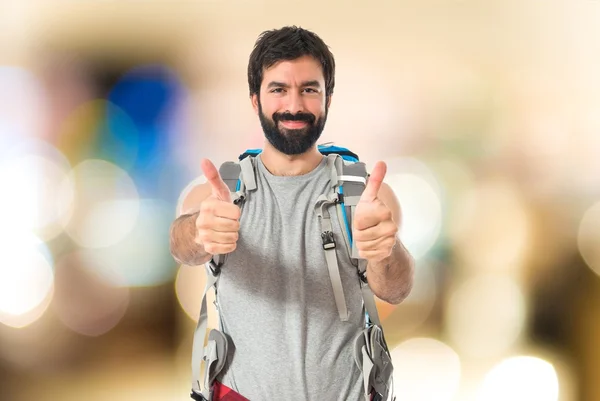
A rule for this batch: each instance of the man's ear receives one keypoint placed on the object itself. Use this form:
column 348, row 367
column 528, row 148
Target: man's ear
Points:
column 254, row 100
column 329, row 101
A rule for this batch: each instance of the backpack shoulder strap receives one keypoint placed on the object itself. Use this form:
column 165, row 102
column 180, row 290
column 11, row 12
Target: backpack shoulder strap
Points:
column 322, row 210
column 352, row 179
column 201, row 354
column 230, row 172
column 351, row 182
column 348, row 181
column 375, row 360
column 239, row 178
column 248, row 176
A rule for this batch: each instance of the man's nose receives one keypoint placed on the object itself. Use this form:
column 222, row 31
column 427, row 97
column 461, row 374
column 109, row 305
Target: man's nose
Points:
column 295, row 102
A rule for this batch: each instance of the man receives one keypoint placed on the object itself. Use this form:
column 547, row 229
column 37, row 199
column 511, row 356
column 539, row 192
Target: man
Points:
column 275, row 298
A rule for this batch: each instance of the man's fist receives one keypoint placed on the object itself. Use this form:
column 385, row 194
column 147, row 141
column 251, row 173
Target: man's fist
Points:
column 217, row 225
column 374, row 228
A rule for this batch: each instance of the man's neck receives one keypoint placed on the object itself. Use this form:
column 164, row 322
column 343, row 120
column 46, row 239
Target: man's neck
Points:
column 290, row 165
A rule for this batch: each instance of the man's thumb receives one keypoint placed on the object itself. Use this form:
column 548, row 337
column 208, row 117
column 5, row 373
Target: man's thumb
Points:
column 219, row 188
column 374, row 183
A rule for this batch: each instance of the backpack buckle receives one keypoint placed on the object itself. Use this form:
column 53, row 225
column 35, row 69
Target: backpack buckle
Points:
column 328, row 240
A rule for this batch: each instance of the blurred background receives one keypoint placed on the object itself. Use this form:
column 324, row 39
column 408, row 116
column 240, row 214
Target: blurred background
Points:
column 487, row 113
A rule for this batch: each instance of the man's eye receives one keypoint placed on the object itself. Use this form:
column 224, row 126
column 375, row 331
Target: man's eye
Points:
column 277, row 90
column 310, row 90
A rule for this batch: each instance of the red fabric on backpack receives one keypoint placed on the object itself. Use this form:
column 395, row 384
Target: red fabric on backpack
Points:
column 223, row 393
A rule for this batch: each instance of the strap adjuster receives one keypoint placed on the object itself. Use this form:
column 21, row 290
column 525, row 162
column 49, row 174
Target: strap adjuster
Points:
column 363, row 277
column 328, row 240
column 214, row 268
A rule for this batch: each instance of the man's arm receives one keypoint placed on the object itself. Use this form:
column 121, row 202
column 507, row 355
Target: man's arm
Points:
column 391, row 279
column 210, row 221
column 390, row 268
column 183, row 245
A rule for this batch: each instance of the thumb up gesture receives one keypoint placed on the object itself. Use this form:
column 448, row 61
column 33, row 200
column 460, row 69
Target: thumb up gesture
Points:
column 374, row 230
column 217, row 225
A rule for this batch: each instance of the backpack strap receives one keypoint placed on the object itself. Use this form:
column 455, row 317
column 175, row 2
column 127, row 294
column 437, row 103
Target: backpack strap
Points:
column 214, row 354
column 374, row 359
column 352, row 180
column 348, row 181
column 348, row 185
column 328, row 240
column 238, row 177
column 371, row 351
column 248, row 165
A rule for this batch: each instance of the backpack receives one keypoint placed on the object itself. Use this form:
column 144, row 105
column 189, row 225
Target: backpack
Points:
column 348, row 178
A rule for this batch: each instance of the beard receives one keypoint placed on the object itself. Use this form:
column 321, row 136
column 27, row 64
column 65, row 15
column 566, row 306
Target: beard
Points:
column 292, row 141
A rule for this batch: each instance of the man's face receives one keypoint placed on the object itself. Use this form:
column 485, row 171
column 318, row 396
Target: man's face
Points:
column 292, row 106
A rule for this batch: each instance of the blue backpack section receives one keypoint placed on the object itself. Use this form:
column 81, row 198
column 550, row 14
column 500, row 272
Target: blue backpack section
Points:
column 325, row 150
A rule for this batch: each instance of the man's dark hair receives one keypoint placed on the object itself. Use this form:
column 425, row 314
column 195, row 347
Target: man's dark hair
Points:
column 289, row 43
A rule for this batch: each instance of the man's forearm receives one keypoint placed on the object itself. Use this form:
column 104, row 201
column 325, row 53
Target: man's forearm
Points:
column 184, row 248
column 391, row 279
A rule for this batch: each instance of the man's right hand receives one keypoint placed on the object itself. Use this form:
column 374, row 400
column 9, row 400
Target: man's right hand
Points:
column 217, row 225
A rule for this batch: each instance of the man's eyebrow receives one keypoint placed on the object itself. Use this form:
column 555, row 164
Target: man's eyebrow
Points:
column 311, row 83
column 277, row 84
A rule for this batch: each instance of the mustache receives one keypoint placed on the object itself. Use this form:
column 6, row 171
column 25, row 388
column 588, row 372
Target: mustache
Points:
column 305, row 117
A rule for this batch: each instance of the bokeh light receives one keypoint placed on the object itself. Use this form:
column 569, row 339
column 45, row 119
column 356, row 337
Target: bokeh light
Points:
column 588, row 238
column 418, row 193
column 31, row 316
column 26, row 278
column 140, row 257
column 521, row 378
column 491, row 228
column 30, row 173
column 106, row 205
column 486, row 315
column 85, row 302
column 425, row 369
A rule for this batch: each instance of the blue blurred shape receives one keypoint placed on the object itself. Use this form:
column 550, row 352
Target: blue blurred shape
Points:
column 149, row 96
column 146, row 94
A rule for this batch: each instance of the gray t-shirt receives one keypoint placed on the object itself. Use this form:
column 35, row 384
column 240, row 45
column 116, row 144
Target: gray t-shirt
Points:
column 276, row 301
